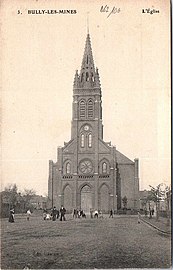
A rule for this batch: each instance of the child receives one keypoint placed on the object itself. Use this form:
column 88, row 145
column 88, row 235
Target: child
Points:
column 28, row 214
column 11, row 216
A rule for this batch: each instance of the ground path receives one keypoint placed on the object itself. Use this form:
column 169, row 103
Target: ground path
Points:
column 83, row 243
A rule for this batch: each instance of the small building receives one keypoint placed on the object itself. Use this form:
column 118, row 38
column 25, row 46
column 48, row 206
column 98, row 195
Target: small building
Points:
column 38, row 202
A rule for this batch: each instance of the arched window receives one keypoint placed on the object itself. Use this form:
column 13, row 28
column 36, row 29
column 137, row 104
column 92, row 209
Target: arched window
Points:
column 92, row 77
column 104, row 167
column 87, row 76
column 68, row 168
column 82, row 109
column 90, row 109
column 82, row 77
column 90, row 140
column 82, row 140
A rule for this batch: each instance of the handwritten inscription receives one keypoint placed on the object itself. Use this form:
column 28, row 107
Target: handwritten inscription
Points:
column 110, row 11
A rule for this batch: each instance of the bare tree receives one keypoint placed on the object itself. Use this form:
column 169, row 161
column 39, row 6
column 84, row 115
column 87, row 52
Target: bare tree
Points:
column 11, row 194
column 28, row 194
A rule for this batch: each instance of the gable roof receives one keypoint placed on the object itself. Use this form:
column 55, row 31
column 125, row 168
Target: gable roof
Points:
column 123, row 159
column 104, row 147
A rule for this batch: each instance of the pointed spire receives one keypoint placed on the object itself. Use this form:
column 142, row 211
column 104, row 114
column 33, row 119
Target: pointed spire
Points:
column 76, row 79
column 88, row 77
column 88, row 74
column 97, row 78
column 87, row 62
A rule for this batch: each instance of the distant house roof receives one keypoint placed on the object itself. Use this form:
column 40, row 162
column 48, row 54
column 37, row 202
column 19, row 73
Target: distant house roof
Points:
column 38, row 198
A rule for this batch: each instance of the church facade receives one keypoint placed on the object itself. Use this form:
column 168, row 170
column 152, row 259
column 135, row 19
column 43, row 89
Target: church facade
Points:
column 90, row 173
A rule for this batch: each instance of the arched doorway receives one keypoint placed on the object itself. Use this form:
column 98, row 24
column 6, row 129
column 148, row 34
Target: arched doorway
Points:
column 86, row 199
column 68, row 199
column 104, row 199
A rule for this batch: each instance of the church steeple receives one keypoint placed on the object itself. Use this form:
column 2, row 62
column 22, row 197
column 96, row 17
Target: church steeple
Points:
column 88, row 76
column 87, row 62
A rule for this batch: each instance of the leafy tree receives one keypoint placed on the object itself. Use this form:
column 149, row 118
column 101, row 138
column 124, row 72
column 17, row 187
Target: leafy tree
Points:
column 10, row 197
column 157, row 194
column 143, row 203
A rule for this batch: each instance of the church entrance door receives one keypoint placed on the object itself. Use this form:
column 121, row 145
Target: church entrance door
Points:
column 86, row 199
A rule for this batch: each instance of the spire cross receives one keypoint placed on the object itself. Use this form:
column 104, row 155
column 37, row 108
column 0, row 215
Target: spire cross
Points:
column 87, row 22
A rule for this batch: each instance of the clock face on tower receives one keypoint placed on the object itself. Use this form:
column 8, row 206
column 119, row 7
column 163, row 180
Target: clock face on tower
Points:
column 86, row 166
column 86, row 128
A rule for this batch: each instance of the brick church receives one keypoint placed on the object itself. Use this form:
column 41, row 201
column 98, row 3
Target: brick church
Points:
column 90, row 173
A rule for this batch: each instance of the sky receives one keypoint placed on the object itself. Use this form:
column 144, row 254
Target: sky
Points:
column 40, row 54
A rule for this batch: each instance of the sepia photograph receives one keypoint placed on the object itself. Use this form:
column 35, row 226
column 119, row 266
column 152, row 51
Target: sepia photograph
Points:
column 86, row 134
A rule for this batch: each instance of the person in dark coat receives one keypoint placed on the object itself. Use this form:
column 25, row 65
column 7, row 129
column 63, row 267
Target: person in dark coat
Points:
column 54, row 213
column 62, row 213
column 139, row 217
column 111, row 213
column 74, row 213
column 91, row 212
column 11, row 216
column 81, row 213
column 57, row 214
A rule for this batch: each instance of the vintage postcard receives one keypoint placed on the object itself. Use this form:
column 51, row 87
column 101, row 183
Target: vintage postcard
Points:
column 86, row 134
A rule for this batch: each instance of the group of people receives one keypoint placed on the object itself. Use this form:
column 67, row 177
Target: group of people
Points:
column 11, row 215
column 93, row 213
column 55, row 213
column 151, row 212
column 78, row 213
column 99, row 213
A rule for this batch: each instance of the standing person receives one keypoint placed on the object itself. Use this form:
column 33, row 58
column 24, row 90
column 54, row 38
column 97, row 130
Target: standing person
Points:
column 74, row 213
column 57, row 214
column 152, row 211
column 77, row 213
column 62, row 213
column 81, row 213
column 111, row 213
column 96, row 213
column 28, row 214
column 91, row 213
column 54, row 213
column 11, row 216
column 139, row 217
